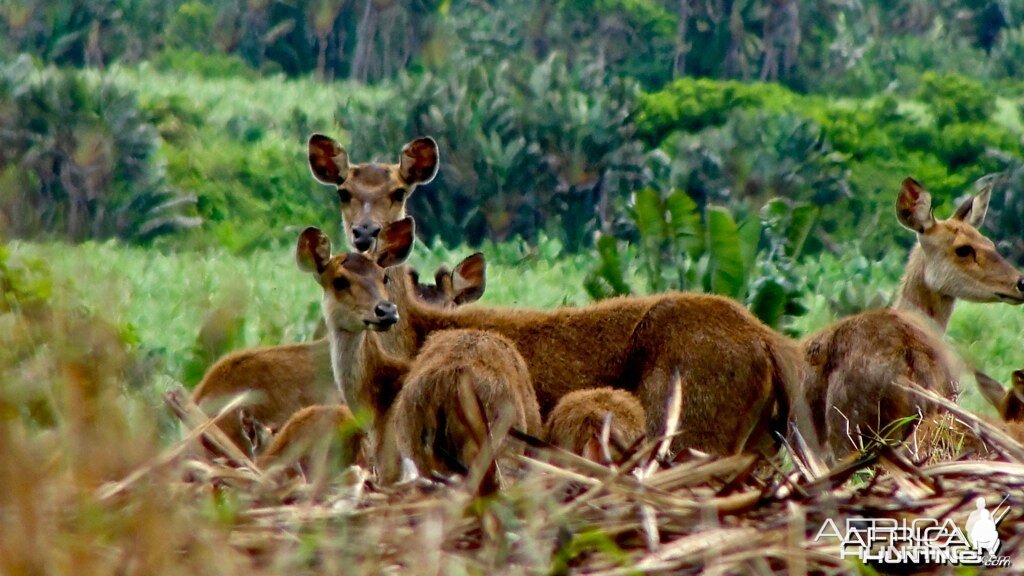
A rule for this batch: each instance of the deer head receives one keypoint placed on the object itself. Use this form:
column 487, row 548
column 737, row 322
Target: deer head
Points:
column 372, row 195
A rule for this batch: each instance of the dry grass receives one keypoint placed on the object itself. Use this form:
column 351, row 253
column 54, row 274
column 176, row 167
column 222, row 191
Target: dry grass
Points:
column 86, row 488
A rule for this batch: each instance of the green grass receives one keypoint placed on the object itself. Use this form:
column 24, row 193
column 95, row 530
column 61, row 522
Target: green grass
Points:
column 163, row 299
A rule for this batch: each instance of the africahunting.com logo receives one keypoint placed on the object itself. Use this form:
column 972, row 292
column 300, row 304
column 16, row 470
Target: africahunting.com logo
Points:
column 921, row 540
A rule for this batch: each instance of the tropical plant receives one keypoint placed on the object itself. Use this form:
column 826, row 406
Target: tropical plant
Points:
column 679, row 246
column 79, row 160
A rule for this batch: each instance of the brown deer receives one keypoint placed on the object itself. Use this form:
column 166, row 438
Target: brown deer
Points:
column 372, row 195
column 578, row 420
column 437, row 419
column 330, row 427
column 855, row 362
column 287, row 378
column 737, row 374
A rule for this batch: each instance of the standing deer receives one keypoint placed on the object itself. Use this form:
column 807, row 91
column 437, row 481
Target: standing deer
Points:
column 578, row 421
column 437, row 419
column 293, row 376
column 355, row 307
column 855, row 363
column 737, row 374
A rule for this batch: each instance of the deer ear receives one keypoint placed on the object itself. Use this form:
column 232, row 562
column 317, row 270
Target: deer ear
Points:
column 469, row 279
column 420, row 159
column 592, row 450
column 973, row 210
column 395, row 242
column 914, row 207
column 990, row 388
column 313, row 250
column 327, row 160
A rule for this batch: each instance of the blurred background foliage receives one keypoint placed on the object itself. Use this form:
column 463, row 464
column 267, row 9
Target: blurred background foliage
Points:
column 751, row 148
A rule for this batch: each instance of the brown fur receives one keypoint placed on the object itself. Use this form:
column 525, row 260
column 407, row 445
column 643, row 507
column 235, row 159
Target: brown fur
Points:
column 372, row 195
column 576, row 424
column 855, row 362
column 332, row 427
column 737, row 373
column 434, row 429
column 287, row 378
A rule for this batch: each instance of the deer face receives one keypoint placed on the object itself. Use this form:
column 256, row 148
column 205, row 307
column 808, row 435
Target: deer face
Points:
column 464, row 285
column 355, row 297
column 372, row 195
column 960, row 262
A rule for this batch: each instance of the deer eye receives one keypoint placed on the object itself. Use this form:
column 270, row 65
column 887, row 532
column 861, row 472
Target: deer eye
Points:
column 344, row 195
column 340, row 283
column 397, row 195
column 964, row 251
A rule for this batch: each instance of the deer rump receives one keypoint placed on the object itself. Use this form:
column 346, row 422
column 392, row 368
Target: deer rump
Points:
column 736, row 373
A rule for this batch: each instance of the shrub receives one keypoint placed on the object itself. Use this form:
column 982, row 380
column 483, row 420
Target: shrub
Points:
column 78, row 160
column 524, row 149
column 690, row 104
column 203, row 64
column 953, row 98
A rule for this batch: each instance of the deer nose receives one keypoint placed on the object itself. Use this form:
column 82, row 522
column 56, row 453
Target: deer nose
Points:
column 386, row 313
column 363, row 235
column 1020, row 285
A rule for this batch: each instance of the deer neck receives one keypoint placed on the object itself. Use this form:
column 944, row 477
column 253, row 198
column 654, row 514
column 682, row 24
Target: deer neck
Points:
column 916, row 296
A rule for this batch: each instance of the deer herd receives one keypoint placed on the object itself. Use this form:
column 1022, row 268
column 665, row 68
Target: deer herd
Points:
column 409, row 378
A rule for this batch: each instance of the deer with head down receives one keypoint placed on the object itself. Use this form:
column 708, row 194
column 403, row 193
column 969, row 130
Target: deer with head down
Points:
column 737, row 374
column 578, row 422
column 856, row 363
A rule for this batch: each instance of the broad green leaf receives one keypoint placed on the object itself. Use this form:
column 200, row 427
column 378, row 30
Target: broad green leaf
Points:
column 650, row 221
column 684, row 224
column 726, row 267
column 750, row 240
column 800, row 226
column 769, row 301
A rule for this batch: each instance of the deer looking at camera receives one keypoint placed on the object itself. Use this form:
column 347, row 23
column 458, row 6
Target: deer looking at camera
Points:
column 856, row 363
column 578, row 422
column 356, row 307
column 290, row 377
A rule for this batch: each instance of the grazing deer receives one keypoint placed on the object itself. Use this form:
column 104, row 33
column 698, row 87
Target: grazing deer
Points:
column 578, row 421
column 372, row 195
column 855, row 362
column 737, row 374
column 437, row 418
column 290, row 377
column 327, row 427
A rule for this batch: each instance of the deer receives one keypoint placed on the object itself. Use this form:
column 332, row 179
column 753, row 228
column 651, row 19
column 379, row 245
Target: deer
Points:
column 328, row 427
column 410, row 399
column 578, row 421
column 372, row 195
column 1009, row 403
column 290, row 377
column 737, row 373
column 464, row 389
column 856, row 363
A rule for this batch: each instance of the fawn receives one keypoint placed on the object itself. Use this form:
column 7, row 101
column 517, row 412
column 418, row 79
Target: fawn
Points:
column 294, row 376
column 436, row 419
column 737, row 373
column 855, row 362
column 577, row 423
column 1009, row 403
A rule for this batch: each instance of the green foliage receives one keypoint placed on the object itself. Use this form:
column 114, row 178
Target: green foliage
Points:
column 79, row 160
column 192, row 26
column 954, row 98
column 25, row 282
column 524, row 150
column 204, row 65
column 677, row 247
column 1006, row 212
column 692, row 104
